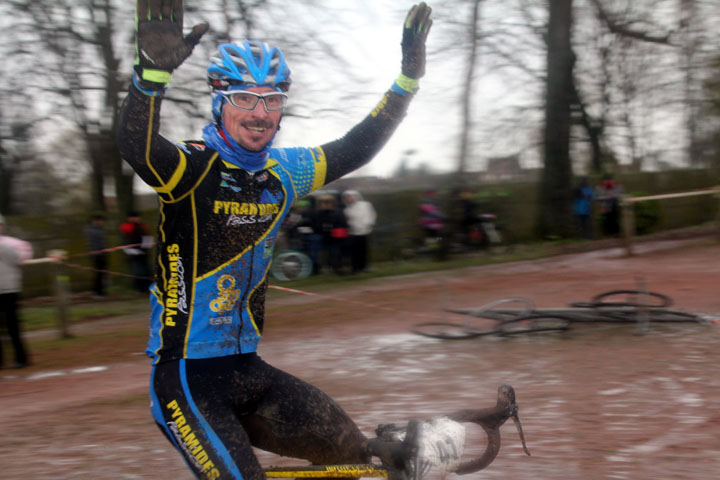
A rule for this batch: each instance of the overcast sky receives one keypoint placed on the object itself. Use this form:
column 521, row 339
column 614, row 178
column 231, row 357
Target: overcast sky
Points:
column 367, row 36
column 507, row 111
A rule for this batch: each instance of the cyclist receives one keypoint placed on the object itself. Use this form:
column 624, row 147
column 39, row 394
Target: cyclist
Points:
column 222, row 202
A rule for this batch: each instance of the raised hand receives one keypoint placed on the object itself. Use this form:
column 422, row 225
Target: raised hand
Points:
column 161, row 47
column 415, row 30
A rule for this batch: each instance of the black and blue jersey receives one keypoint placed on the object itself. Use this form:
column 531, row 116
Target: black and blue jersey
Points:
column 218, row 224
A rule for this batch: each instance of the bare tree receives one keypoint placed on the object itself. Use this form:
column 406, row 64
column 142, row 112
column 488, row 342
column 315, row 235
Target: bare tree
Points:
column 14, row 147
column 467, row 96
column 77, row 43
column 556, row 185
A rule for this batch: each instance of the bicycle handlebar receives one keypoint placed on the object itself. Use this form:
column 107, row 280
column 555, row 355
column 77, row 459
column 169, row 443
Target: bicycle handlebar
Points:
column 396, row 454
column 490, row 419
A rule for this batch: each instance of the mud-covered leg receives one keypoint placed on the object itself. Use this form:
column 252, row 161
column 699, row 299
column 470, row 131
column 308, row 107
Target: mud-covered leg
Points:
column 296, row 419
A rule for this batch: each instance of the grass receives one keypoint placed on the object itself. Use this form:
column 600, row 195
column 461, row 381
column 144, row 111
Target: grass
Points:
column 43, row 313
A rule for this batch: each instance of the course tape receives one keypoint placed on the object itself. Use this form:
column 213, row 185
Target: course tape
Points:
column 59, row 258
column 62, row 260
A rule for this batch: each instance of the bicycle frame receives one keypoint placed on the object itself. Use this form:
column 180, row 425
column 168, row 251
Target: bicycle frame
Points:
column 394, row 454
column 329, row 471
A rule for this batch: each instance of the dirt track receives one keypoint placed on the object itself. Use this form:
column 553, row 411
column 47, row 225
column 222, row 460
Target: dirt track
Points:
column 596, row 402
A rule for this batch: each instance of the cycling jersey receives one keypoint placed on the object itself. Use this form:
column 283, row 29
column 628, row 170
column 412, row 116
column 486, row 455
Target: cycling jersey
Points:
column 218, row 224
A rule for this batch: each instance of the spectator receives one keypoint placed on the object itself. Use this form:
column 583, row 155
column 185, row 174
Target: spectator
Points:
column 137, row 236
column 360, row 216
column 432, row 219
column 297, row 226
column 467, row 211
column 583, row 196
column 13, row 252
column 329, row 222
column 95, row 236
column 608, row 195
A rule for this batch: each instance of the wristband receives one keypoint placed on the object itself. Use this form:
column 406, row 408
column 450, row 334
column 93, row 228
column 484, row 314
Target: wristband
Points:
column 156, row 76
column 142, row 86
column 404, row 85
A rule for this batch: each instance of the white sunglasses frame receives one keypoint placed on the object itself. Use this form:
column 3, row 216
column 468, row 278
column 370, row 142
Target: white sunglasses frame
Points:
column 258, row 96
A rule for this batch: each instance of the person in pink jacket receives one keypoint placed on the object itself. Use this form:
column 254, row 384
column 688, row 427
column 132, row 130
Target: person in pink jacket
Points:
column 13, row 252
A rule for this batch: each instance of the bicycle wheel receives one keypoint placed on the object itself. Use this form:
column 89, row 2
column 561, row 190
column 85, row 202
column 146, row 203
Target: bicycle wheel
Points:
column 291, row 265
column 614, row 298
column 534, row 323
column 675, row 316
column 490, row 311
column 447, row 331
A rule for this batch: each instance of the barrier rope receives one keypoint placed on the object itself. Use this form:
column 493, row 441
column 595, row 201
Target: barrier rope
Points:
column 61, row 259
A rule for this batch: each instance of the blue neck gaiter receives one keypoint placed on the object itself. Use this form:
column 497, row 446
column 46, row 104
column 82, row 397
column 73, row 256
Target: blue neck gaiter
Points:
column 231, row 151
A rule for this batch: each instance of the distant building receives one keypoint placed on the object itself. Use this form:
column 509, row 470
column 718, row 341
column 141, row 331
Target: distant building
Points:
column 507, row 169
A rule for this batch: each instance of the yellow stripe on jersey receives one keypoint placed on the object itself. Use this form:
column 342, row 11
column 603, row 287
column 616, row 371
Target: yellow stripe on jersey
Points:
column 194, row 270
column 320, row 168
column 176, row 176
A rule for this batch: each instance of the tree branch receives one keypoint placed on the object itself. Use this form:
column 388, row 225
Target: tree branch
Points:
column 623, row 29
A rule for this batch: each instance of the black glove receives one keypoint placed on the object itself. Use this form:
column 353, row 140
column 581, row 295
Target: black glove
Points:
column 415, row 31
column 161, row 47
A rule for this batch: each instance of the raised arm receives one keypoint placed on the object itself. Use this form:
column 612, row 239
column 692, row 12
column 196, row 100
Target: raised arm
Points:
column 366, row 139
column 161, row 48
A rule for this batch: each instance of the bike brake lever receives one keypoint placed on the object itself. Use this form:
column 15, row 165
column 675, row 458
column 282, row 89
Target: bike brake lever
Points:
column 516, row 420
column 491, row 419
column 506, row 395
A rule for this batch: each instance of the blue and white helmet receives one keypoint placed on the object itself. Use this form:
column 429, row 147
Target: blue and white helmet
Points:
column 252, row 64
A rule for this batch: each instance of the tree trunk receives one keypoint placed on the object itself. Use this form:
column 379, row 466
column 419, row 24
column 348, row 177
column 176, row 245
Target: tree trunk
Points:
column 97, row 172
column 467, row 97
column 6, row 184
column 555, row 218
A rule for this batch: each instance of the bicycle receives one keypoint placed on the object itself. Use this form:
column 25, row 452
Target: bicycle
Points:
column 508, row 322
column 291, row 265
column 423, row 446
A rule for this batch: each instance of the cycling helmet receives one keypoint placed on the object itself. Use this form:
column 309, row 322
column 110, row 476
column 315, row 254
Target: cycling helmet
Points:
column 251, row 64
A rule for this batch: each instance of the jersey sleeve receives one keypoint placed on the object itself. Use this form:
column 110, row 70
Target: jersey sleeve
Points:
column 163, row 165
column 357, row 147
column 306, row 168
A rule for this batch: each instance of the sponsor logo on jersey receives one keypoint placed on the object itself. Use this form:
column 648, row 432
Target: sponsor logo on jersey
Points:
column 197, row 146
column 227, row 297
column 235, row 220
column 221, row 321
column 175, row 293
column 189, row 443
column 222, row 207
column 228, row 181
column 380, row 106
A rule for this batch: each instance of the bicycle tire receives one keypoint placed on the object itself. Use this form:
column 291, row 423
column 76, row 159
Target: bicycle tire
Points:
column 487, row 310
column 447, row 331
column 535, row 320
column 599, row 301
column 291, row 265
column 676, row 316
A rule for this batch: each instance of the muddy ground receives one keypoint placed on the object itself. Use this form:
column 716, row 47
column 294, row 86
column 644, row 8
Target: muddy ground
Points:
column 599, row 401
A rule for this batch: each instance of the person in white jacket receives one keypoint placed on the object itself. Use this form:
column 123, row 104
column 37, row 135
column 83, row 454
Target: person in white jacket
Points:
column 360, row 216
column 13, row 252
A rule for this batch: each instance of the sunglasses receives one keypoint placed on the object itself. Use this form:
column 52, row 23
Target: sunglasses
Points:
column 273, row 101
